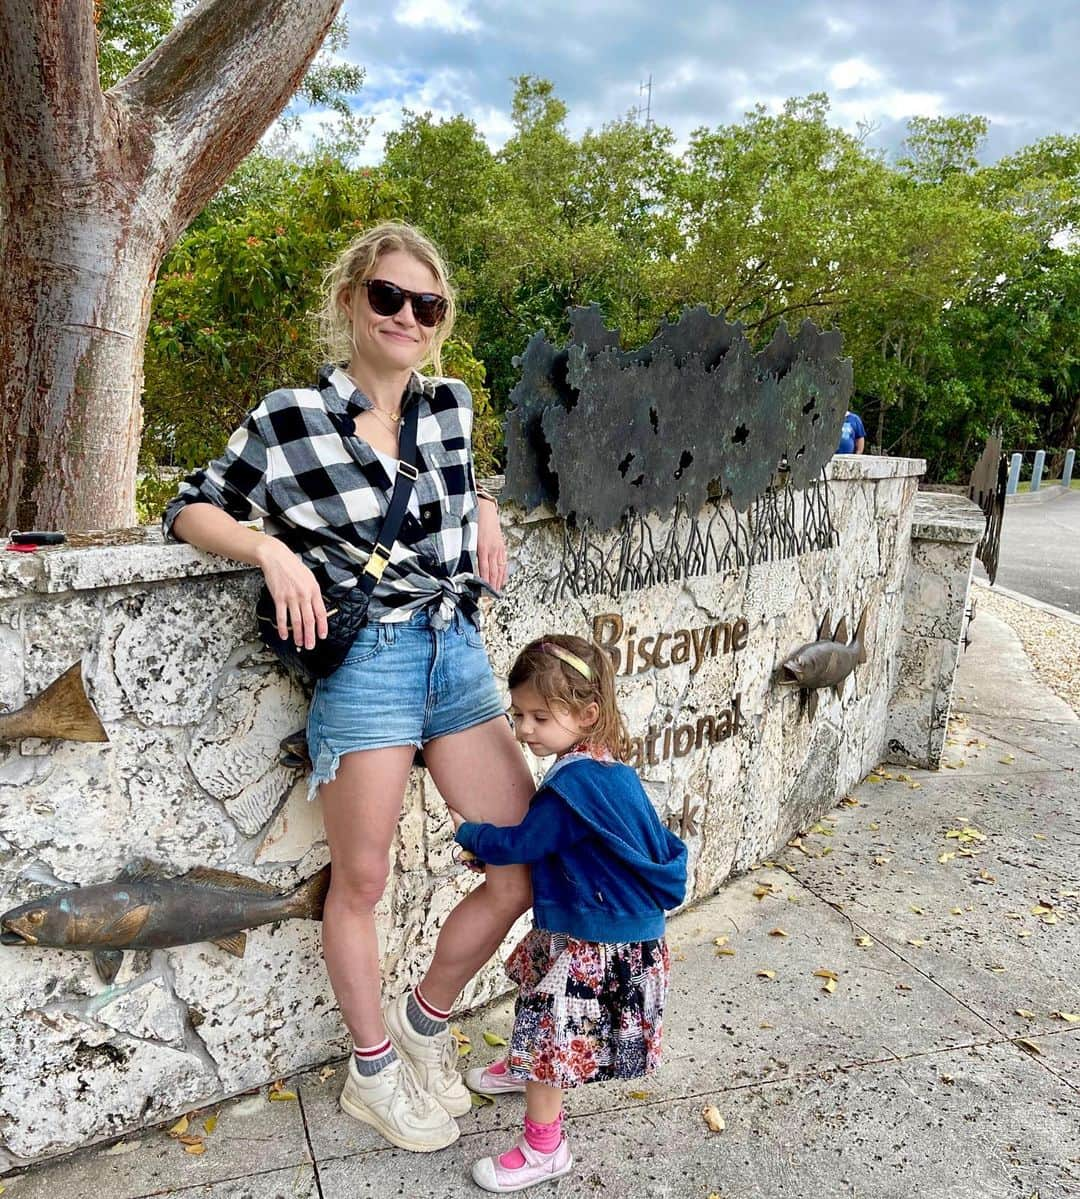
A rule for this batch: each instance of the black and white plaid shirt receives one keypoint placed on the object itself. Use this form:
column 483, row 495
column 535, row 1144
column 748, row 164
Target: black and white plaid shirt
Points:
column 297, row 463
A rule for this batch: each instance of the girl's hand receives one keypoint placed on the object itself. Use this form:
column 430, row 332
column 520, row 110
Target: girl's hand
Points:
column 456, row 817
column 490, row 545
column 298, row 601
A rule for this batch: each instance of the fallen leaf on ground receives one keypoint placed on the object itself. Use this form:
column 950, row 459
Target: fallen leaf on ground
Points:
column 1007, row 759
column 712, row 1118
column 964, row 835
column 1014, row 916
column 946, row 1078
column 762, row 891
column 464, row 1050
column 874, row 778
column 766, row 974
column 766, row 1026
column 864, row 942
column 946, row 857
column 830, row 974
column 881, row 861
column 914, row 786
column 1020, row 1011
column 777, row 932
column 458, row 1035
column 1039, row 836
column 956, row 911
column 326, row 1072
column 830, row 985
column 478, row 1100
column 1030, row 1046
column 996, row 969
column 917, row 910
column 179, row 1128
column 195, row 1150
column 190, row 1138
column 281, row 1096
column 1068, row 1017
column 210, row 1124
column 721, row 940
column 873, row 827
column 639, row 1095
column 494, row 1039
column 725, row 953
column 916, row 942
column 902, row 987
column 903, row 778
column 1051, row 919
column 1040, row 910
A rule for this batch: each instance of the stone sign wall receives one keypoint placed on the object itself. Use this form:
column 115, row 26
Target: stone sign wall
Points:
column 190, row 777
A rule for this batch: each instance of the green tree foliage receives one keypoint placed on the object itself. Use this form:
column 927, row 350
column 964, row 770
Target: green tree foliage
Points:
column 955, row 284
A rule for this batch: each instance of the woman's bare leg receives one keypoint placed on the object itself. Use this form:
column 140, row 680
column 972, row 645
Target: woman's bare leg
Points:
column 361, row 807
column 482, row 774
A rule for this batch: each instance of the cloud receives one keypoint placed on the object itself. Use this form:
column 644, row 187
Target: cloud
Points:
column 710, row 61
column 451, row 16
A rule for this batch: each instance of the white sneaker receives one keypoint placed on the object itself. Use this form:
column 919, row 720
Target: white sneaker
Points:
column 538, row 1168
column 433, row 1058
column 483, row 1082
column 394, row 1103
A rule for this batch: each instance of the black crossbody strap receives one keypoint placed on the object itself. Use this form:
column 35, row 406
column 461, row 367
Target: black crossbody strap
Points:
column 399, row 500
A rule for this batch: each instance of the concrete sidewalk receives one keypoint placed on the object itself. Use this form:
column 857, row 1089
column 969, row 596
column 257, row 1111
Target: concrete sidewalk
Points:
column 940, row 1066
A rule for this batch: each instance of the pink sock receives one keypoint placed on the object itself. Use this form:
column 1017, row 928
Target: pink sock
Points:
column 497, row 1068
column 544, row 1138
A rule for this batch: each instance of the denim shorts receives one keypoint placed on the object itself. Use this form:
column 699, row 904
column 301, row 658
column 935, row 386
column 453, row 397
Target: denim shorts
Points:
column 402, row 683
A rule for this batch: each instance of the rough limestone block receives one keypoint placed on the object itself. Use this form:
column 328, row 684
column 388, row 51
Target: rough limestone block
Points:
column 173, row 649
column 12, row 690
column 295, row 829
column 95, row 1083
column 236, row 745
column 267, row 1014
column 145, row 1009
column 57, row 633
column 96, row 811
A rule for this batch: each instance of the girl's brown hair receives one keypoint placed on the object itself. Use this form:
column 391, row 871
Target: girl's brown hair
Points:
column 560, row 682
column 356, row 262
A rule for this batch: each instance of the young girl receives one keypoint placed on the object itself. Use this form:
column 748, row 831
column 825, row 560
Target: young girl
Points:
column 593, row 972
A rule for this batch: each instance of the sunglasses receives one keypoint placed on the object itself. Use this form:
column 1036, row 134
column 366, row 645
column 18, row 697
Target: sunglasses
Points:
column 387, row 299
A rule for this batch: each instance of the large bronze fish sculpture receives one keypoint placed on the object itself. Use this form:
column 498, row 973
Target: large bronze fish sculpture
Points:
column 145, row 909
column 826, row 662
column 61, row 712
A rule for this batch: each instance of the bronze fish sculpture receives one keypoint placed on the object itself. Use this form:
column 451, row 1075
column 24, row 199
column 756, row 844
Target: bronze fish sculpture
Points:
column 62, row 712
column 826, row 662
column 145, row 909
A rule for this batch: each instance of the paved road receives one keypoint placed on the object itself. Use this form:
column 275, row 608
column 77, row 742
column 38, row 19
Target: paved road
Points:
column 1040, row 548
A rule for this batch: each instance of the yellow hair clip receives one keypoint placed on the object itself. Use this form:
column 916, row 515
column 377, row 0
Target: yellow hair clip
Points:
column 564, row 655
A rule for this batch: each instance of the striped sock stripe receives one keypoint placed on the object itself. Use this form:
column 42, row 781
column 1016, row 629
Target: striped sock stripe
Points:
column 367, row 1051
column 429, row 1009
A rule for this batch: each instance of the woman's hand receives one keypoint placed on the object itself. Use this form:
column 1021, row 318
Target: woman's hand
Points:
column 490, row 545
column 298, row 601
column 456, row 817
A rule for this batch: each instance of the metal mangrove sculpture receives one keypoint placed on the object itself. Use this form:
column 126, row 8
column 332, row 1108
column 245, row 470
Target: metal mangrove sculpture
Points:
column 826, row 662
column 62, row 712
column 145, row 909
column 598, row 432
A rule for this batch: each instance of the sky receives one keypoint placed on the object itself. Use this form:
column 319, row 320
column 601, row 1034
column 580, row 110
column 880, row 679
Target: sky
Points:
column 879, row 61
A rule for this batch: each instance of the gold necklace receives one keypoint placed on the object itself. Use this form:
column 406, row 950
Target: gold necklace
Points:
column 387, row 416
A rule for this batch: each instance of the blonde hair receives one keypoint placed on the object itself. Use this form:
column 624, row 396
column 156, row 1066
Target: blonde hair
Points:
column 356, row 262
column 558, row 681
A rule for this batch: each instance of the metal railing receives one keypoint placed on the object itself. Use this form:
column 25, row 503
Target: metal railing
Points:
column 1037, row 468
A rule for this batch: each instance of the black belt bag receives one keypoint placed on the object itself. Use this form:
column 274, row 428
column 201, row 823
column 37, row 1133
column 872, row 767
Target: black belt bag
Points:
column 347, row 607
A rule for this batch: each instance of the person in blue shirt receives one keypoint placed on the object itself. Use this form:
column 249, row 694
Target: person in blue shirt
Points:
column 852, row 435
column 593, row 973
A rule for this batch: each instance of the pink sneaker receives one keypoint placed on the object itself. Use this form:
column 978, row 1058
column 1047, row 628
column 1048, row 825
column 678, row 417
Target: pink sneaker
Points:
column 538, row 1168
column 483, row 1082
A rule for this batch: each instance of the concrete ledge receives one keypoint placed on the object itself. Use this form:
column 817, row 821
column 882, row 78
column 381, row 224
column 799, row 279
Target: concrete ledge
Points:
column 940, row 516
column 844, row 467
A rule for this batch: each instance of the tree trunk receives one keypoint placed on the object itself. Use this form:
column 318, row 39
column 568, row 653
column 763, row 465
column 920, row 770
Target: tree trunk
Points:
column 95, row 189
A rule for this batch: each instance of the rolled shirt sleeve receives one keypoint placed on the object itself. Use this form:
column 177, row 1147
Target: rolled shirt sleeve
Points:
column 236, row 482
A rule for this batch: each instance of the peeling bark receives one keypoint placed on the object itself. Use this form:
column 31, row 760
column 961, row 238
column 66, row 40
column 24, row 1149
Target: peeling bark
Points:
column 94, row 190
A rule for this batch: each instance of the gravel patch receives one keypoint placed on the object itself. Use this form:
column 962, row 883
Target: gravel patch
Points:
column 1052, row 643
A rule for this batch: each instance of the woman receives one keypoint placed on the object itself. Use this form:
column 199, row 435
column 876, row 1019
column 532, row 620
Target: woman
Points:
column 319, row 465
